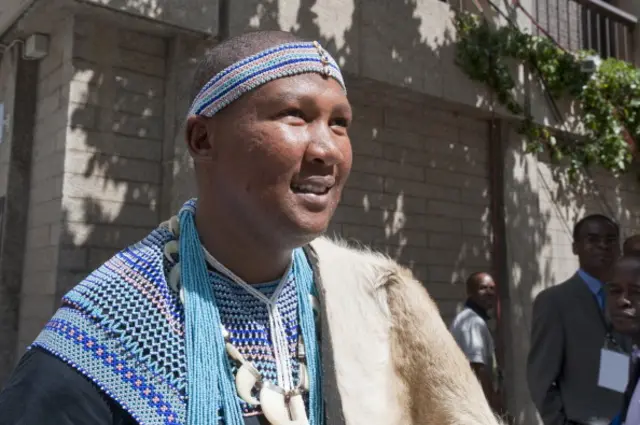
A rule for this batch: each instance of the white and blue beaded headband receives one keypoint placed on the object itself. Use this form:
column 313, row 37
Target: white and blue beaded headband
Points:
column 281, row 61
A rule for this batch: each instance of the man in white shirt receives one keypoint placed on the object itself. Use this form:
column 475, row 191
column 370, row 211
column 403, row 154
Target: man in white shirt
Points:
column 471, row 332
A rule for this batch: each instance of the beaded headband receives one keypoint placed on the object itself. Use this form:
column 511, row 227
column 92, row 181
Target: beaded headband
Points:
column 277, row 62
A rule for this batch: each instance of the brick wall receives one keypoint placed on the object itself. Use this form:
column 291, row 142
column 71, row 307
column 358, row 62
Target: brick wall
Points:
column 112, row 170
column 97, row 180
column 419, row 187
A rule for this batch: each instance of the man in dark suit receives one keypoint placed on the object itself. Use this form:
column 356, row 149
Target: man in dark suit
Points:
column 623, row 306
column 569, row 329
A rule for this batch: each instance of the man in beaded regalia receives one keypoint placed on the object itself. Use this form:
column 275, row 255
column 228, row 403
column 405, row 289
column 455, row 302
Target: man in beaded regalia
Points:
column 237, row 310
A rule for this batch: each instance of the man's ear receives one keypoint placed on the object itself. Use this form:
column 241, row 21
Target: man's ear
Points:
column 198, row 137
column 574, row 247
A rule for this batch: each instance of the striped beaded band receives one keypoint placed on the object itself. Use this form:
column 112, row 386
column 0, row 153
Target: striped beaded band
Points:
column 282, row 61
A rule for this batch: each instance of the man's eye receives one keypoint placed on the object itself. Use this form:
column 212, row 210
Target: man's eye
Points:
column 340, row 122
column 614, row 289
column 292, row 112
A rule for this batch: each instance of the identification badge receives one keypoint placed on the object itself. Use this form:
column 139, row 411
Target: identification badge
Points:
column 614, row 370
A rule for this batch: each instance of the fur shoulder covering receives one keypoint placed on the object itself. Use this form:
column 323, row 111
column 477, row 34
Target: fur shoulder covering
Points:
column 395, row 360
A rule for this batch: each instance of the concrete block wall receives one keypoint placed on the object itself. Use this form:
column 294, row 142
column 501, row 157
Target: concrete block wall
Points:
column 419, row 187
column 112, row 171
column 404, row 44
column 43, row 222
column 96, row 182
column 199, row 16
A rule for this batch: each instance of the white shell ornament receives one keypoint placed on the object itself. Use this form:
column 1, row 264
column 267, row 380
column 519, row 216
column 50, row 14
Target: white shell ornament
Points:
column 246, row 378
column 274, row 405
column 171, row 248
column 174, row 226
column 304, row 377
column 234, row 353
column 225, row 333
column 296, row 409
column 174, row 278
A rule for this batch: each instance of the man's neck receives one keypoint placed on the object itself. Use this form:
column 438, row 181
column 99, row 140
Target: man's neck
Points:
column 597, row 274
column 248, row 258
column 481, row 311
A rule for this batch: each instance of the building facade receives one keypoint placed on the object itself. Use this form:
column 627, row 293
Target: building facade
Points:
column 92, row 154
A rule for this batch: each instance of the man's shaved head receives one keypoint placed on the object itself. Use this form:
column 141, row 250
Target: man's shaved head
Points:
column 481, row 289
column 235, row 49
column 474, row 280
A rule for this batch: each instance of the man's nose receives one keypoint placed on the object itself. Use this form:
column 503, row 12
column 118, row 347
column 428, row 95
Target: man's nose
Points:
column 323, row 146
column 623, row 300
column 604, row 243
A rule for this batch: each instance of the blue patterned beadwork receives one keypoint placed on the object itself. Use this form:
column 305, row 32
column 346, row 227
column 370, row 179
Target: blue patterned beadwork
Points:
column 281, row 61
column 123, row 328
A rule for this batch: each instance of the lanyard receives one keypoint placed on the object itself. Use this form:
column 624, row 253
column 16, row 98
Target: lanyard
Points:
column 610, row 341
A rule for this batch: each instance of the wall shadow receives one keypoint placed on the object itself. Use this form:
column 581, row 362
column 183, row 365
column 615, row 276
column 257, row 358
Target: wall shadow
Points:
column 529, row 241
column 115, row 147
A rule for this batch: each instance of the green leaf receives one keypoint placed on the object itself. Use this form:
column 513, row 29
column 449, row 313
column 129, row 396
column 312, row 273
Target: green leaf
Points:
column 609, row 98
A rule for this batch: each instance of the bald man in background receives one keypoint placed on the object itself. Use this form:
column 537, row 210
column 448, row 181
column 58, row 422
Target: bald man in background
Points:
column 471, row 332
column 631, row 246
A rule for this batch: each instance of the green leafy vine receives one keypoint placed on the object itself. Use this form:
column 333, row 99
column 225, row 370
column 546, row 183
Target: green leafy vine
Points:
column 609, row 97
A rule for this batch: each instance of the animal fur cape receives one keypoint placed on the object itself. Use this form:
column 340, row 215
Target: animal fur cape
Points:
column 388, row 358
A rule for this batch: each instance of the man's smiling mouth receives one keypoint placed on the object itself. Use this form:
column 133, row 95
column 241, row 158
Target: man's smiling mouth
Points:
column 309, row 188
column 320, row 185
